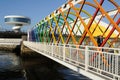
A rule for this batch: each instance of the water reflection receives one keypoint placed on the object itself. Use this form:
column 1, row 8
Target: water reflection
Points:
column 10, row 67
column 36, row 67
column 68, row 74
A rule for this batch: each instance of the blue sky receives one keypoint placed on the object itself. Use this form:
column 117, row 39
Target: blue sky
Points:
column 35, row 9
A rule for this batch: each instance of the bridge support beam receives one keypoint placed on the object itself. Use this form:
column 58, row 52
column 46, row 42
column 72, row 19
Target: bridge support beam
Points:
column 86, row 58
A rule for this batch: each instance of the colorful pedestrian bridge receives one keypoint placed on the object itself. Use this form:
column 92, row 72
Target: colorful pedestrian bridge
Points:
column 69, row 36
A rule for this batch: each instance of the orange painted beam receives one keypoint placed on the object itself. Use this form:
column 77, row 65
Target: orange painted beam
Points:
column 74, row 41
column 75, row 21
column 84, row 25
column 107, row 16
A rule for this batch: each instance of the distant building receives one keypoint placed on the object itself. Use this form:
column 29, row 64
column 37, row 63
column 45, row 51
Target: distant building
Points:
column 17, row 21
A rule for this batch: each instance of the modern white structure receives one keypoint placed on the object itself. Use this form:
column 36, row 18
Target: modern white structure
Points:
column 17, row 21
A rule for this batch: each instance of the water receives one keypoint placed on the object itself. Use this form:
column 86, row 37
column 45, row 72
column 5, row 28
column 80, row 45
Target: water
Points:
column 33, row 67
column 10, row 67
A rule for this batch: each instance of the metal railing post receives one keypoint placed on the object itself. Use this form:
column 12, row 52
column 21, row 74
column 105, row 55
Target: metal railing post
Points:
column 52, row 49
column 77, row 54
column 86, row 58
column 63, row 52
column 44, row 47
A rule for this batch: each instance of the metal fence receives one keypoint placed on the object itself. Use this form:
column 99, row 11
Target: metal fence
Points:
column 98, row 60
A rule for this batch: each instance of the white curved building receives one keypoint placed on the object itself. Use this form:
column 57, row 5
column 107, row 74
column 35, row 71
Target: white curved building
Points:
column 17, row 21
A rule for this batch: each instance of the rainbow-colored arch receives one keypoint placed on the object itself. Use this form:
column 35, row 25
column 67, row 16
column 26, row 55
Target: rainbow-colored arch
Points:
column 80, row 22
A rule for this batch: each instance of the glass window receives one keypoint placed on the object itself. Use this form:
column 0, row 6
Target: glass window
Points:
column 25, row 20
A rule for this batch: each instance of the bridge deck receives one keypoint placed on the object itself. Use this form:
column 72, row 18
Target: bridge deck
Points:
column 93, row 62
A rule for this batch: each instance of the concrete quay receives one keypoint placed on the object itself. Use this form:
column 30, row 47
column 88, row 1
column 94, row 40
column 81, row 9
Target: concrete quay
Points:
column 7, row 44
column 14, row 45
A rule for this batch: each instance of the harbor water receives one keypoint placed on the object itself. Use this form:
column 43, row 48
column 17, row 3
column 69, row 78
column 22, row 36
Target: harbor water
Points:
column 33, row 67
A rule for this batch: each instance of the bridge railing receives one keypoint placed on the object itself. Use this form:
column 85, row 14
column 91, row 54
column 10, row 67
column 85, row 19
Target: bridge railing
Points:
column 98, row 60
column 104, row 61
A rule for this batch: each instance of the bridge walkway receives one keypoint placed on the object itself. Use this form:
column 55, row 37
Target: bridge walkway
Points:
column 93, row 62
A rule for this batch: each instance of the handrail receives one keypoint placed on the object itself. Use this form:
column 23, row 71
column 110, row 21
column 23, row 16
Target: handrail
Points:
column 97, row 66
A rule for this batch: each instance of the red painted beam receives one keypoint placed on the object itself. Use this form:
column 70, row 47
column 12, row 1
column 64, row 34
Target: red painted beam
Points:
column 91, row 21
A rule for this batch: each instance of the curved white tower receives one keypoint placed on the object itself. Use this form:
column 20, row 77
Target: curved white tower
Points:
column 17, row 21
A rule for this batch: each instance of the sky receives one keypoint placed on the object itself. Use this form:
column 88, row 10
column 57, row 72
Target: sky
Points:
column 36, row 10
